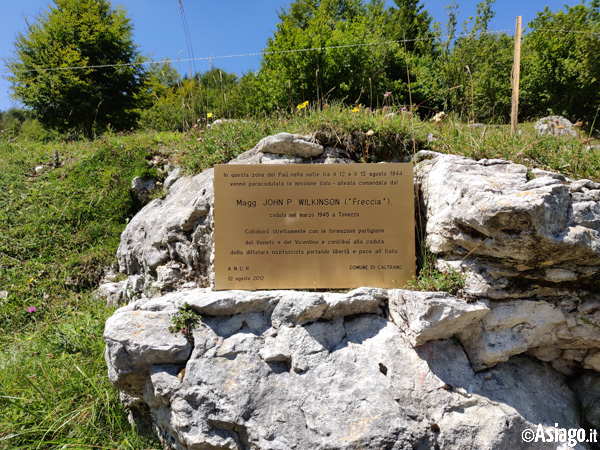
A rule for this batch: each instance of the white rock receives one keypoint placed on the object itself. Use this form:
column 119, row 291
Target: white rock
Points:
column 142, row 189
column 137, row 340
column 295, row 370
column 178, row 228
column 587, row 388
column 511, row 235
column 511, row 328
column 174, row 175
column 427, row 316
column 554, row 126
column 113, row 293
column 592, row 360
column 327, row 384
column 289, row 144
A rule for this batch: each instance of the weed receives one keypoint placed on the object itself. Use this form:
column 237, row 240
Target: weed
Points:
column 589, row 322
column 429, row 278
column 160, row 193
column 449, row 280
column 185, row 320
column 567, row 155
column 58, row 229
column 54, row 388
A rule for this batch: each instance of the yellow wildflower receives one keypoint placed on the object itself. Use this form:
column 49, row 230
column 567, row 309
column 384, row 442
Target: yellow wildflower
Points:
column 209, row 115
column 302, row 105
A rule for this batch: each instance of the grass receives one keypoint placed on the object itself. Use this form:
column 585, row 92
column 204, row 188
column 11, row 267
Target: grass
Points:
column 567, row 155
column 60, row 227
column 431, row 279
column 55, row 392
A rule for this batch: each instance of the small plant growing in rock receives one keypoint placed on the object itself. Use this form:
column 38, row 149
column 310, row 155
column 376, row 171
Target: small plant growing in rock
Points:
column 161, row 193
column 432, row 279
column 589, row 322
column 184, row 320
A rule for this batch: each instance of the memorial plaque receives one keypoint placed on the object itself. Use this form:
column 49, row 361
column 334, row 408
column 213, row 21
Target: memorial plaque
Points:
column 294, row 226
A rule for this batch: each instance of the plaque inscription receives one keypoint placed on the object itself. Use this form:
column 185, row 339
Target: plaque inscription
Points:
column 294, row 226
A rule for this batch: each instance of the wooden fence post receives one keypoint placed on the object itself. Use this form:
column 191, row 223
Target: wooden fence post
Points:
column 514, row 114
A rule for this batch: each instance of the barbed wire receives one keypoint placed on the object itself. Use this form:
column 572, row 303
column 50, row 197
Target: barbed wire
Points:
column 299, row 50
column 262, row 53
column 589, row 32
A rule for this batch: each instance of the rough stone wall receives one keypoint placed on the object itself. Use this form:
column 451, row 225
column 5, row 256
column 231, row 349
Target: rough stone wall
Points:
column 372, row 368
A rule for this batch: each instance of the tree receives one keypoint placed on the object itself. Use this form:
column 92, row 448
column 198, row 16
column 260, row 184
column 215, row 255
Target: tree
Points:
column 11, row 120
column 475, row 68
column 345, row 63
column 175, row 103
column 73, row 67
column 408, row 21
column 356, row 53
column 560, row 63
column 410, row 25
column 160, row 77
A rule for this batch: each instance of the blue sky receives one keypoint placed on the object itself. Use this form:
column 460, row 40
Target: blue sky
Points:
column 225, row 27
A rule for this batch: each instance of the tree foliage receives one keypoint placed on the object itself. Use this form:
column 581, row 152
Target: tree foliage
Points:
column 71, row 66
column 176, row 103
column 409, row 21
column 475, row 68
column 355, row 51
column 561, row 67
column 346, row 65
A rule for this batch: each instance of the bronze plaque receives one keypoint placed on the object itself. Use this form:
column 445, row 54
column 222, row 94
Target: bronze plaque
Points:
column 291, row 226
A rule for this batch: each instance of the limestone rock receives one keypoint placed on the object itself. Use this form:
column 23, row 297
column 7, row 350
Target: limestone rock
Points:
column 305, row 381
column 512, row 236
column 227, row 122
column 554, row 126
column 587, row 388
column 358, row 301
column 177, row 228
column 369, row 368
column 137, row 340
column 511, row 328
column 334, row 156
column 554, row 333
column 173, row 176
column 113, row 293
column 142, row 189
column 135, row 284
column 226, row 303
column 168, row 277
column 428, row 316
column 286, row 307
column 289, row 144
